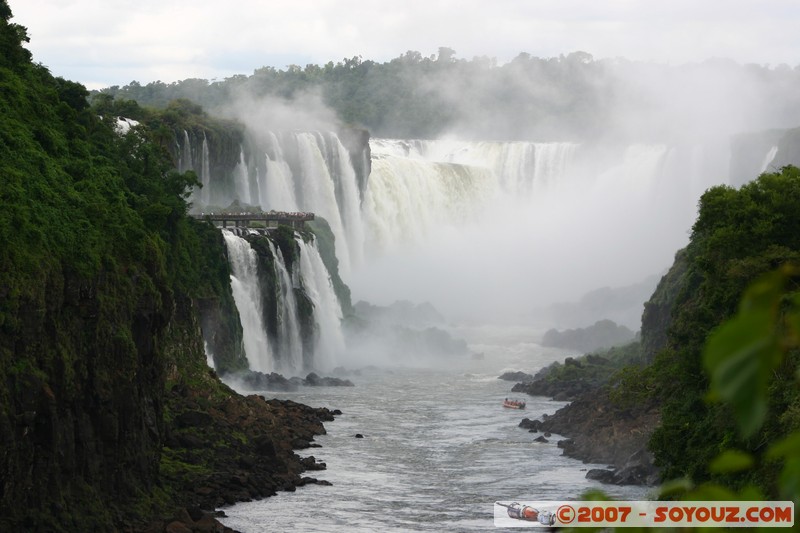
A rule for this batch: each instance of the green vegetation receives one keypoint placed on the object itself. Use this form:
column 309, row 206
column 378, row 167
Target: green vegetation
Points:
column 719, row 350
column 529, row 98
column 738, row 236
column 166, row 124
column 750, row 358
column 102, row 275
column 104, row 282
column 327, row 250
column 596, row 367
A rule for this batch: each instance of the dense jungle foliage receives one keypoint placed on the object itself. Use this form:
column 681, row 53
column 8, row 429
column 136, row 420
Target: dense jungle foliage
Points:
column 739, row 236
column 99, row 266
column 97, row 253
column 572, row 97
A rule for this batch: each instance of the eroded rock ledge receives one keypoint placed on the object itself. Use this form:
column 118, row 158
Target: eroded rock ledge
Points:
column 600, row 431
column 227, row 449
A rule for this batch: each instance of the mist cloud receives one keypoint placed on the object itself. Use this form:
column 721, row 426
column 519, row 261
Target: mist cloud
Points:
column 305, row 111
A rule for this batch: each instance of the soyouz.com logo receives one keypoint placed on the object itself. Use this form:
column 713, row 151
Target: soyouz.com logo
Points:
column 644, row 514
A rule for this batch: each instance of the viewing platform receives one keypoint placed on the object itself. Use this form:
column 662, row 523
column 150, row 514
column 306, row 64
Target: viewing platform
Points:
column 269, row 220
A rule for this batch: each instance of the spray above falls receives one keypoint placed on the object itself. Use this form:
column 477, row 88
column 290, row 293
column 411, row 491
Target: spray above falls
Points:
column 479, row 227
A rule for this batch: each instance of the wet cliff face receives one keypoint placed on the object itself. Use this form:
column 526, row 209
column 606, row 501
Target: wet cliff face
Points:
column 658, row 310
column 82, row 410
column 219, row 319
column 357, row 143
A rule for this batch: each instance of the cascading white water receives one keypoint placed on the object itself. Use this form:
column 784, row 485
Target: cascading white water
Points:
column 636, row 174
column 242, row 179
column 769, row 158
column 209, row 355
column 540, row 200
column 551, row 164
column 205, row 174
column 318, row 192
column 406, row 198
column 519, row 167
column 418, row 185
column 247, row 295
column 329, row 341
column 275, row 183
column 284, row 354
column 289, row 343
column 551, row 220
column 292, row 172
column 185, row 160
column 349, row 198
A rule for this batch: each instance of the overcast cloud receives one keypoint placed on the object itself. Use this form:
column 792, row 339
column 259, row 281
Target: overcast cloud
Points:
column 112, row 42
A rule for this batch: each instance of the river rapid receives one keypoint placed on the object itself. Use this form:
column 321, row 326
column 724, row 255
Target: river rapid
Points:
column 438, row 448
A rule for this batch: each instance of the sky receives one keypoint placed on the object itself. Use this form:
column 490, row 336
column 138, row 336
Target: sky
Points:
column 113, row 42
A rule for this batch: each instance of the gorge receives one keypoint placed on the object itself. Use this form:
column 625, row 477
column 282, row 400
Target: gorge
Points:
column 129, row 320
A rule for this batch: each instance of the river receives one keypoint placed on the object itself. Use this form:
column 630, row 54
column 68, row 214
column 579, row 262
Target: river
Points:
column 438, row 448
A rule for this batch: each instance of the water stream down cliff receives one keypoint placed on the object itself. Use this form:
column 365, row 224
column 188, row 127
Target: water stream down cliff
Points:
column 413, row 211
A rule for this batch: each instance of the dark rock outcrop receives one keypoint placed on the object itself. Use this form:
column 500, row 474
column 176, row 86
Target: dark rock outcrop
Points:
column 562, row 391
column 313, row 380
column 258, row 381
column 532, row 425
column 245, row 447
column 356, row 141
column 657, row 315
column 601, row 432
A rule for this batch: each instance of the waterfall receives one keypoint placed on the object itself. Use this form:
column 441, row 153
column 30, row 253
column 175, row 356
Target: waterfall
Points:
column 247, row 295
column 518, row 167
column 512, row 163
column 558, row 214
column 285, row 352
column 636, row 174
column 205, row 174
column 551, row 164
column 242, row 179
column 294, row 171
column 348, row 198
column 523, row 223
column 318, row 192
column 185, row 160
column 209, row 355
column 416, row 186
column 769, row 158
column 290, row 346
column 406, row 198
column 329, row 340
column 275, row 183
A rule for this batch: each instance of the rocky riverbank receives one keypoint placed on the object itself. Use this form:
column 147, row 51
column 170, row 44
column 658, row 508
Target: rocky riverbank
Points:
column 230, row 448
column 600, row 432
column 258, row 381
column 600, row 428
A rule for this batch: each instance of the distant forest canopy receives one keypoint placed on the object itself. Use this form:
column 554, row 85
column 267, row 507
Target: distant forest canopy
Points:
column 572, row 97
